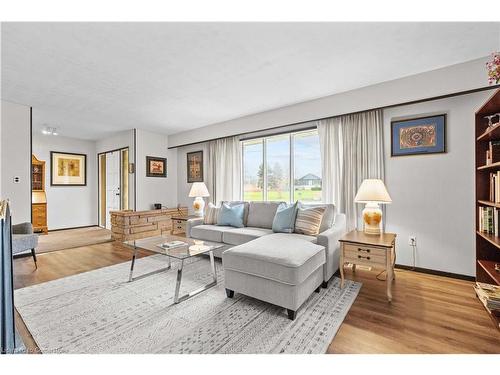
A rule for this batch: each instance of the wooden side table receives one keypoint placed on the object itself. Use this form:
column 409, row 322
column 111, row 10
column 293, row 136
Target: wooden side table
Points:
column 179, row 223
column 377, row 251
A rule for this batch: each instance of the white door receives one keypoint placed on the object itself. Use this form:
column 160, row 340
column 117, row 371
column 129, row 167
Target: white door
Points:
column 112, row 184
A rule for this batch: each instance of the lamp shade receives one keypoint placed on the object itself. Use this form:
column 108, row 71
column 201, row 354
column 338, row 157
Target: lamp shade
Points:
column 199, row 189
column 372, row 190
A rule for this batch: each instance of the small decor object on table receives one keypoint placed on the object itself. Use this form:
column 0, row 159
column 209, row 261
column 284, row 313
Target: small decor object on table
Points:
column 194, row 166
column 156, row 167
column 423, row 135
column 68, row 169
column 494, row 68
column 377, row 252
column 172, row 244
column 372, row 192
column 198, row 191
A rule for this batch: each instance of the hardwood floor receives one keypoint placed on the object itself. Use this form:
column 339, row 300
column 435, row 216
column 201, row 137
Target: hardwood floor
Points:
column 429, row 314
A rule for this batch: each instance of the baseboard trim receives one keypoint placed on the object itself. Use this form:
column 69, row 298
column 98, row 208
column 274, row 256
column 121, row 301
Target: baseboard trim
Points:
column 83, row 226
column 436, row 273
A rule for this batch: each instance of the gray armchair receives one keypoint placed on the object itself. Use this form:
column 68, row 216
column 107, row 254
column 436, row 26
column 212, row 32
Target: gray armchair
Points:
column 23, row 239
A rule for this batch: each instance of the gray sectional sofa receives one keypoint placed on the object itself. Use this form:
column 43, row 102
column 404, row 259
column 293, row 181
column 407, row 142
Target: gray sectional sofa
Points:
column 279, row 268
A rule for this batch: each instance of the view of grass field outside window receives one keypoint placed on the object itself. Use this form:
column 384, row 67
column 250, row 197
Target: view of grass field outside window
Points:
column 266, row 168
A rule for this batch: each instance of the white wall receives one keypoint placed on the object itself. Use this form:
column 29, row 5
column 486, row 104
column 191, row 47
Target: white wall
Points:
column 117, row 141
column 451, row 79
column 68, row 206
column 15, row 159
column 152, row 190
column 183, row 187
column 433, row 195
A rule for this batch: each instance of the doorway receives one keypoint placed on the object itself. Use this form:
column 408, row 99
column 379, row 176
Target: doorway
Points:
column 113, row 184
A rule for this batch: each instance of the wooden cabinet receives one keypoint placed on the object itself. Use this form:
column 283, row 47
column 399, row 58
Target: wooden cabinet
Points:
column 38, row 197
column 179, row 223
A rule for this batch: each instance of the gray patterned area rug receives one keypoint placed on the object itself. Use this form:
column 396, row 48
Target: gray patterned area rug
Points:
column 100, row 312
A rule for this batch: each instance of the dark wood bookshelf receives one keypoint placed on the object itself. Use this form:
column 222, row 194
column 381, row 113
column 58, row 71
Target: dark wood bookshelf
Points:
column 495, row 166
column 491, row 134
column 489, row 267
column 492, row 239
column 487, row 245
column 489, row 203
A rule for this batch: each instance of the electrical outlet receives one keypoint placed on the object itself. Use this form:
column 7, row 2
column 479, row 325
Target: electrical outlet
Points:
column 17, row 179
column 412, row 240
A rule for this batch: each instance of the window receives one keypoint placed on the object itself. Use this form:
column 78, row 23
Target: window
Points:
column 253, row 172
column 284, row 167
column 307, row 165
column 278, row 168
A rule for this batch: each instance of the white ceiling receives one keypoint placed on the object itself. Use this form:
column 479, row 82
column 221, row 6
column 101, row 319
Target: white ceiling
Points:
column 91, row 79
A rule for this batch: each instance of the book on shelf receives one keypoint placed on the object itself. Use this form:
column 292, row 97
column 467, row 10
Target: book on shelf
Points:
column 489, row 295
column 494, row 191
column 489, row 220
column 494, row 148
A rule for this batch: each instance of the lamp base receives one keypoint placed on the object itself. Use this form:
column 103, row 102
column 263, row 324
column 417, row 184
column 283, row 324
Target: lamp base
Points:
column 372, row 217
column 198, row 206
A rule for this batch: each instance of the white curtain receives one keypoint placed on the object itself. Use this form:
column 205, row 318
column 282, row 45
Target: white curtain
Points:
column 224, row 169
column 352, row 149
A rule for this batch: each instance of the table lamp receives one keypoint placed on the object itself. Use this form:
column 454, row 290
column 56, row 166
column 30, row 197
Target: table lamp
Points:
column 372, row 192
column 198, row 191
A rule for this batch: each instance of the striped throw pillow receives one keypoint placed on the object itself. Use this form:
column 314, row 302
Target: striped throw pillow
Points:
column 211, row 214
column 308, row 220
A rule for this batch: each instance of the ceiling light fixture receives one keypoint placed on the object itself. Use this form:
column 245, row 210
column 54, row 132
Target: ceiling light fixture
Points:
column 49, row 130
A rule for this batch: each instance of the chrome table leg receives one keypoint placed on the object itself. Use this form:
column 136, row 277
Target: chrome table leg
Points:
column 178, row 283
column 212, row 265
column 131, row 278
column 178, row 299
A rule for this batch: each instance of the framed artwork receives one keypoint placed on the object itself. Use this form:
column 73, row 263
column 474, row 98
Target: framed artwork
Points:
column 195, row 166
column 156, row 167
column 423, row 135
column 68, row 169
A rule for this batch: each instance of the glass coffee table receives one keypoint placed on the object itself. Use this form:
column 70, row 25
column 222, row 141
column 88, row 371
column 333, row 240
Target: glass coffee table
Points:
column 189, row 249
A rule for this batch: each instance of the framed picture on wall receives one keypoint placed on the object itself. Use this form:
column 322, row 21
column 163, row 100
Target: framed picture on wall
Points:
column 68, row 169
column 195, row 166
column 156, row 167
column 422, row 135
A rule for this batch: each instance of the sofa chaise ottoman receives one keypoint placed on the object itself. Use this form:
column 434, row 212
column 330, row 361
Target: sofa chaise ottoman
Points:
column 277, row 269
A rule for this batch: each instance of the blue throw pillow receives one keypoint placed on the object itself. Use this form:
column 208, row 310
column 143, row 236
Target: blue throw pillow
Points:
column 231, row 215
column 284, row 219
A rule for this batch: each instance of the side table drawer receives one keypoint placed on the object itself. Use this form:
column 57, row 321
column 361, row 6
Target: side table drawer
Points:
column 363, row 250
column 364, row 259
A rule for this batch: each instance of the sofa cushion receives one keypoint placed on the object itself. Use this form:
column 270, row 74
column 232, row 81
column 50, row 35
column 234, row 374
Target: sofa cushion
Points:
column 261, row 214
column 234, row 203
column 23, row 242
column 208, row 232
column 308, row 220
column 328, row 217
column 211, row 214
column 284, row 219
column 231, row 215
column 277, row 257
column 313, row 239
column 242, row 235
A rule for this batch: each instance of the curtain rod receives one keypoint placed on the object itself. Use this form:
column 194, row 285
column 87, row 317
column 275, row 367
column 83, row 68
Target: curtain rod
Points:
column 350, row 113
